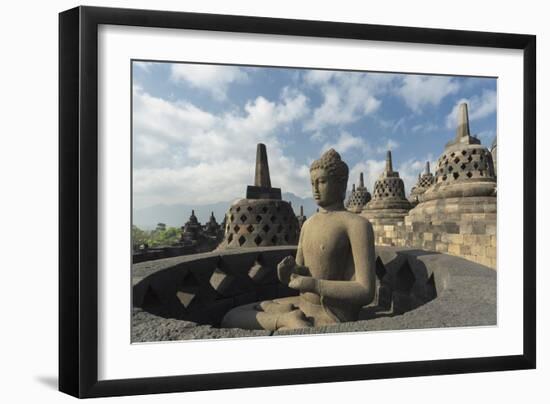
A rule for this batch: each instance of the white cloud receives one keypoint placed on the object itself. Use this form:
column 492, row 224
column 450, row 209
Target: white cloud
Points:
column 389, row 145
column 347, row 97
column 212, row 78
column 479, row 106
column 183, row 154
column 371, row 170
column 418, row 91
column 145, row 66
column 347, row 142
column 425, row 127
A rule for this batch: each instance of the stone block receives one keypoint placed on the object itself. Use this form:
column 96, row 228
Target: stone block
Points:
column 465, row 250
column 491, row 229
column 456, row 238
column 477, row 249
column 491, row 252
column 451, row 227
column 428, row 236
column 483, row 240
column 493, row 241
column 478, row 228
column 466, row 228
column 428, row 245
column 441, row 247
column 454, row 249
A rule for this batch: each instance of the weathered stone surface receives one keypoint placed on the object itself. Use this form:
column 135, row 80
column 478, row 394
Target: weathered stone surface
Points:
column 359, row 197
column 334, row 282
column 465, row 295
column 262, row 219
column 147, row 327
column 465, row 169
column 388, row 195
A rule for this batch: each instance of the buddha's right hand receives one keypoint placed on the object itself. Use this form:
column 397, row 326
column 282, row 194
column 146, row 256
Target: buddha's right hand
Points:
column 285, row 268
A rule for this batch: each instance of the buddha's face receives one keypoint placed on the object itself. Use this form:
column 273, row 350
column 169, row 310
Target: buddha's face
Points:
column 327, row 190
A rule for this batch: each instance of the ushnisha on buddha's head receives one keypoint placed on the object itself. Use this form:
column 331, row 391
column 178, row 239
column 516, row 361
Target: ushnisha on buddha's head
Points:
column 329, row 178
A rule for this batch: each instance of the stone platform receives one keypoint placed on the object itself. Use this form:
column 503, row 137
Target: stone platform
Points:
column 416, row 289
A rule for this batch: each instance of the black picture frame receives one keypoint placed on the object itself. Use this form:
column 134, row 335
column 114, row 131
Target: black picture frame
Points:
column 78, row 200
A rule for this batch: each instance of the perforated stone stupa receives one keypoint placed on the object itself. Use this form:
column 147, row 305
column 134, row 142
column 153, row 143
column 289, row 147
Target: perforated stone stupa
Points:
column 359, row 197
column 465, row 168
column 424, row 182
column 262, row 219
column 388, row 197
column 191, row 230
column 212, row 228
column 388, row 206
column 457, row 215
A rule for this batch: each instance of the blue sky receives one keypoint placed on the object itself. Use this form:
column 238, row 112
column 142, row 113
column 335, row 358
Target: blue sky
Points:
column 195, row 126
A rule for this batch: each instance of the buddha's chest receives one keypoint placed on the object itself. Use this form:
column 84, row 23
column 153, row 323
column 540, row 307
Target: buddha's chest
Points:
column 325, row 248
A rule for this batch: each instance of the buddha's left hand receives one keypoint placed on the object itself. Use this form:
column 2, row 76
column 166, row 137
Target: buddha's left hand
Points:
column 303, row 283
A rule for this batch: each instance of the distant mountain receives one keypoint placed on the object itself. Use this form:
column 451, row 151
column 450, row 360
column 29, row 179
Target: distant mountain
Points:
column 177, row 214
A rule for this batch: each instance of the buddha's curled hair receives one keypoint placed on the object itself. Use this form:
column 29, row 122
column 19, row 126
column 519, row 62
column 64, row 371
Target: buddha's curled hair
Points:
column 333, row 164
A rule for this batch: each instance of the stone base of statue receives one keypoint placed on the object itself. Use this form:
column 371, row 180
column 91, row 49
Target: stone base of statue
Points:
column 289, row 313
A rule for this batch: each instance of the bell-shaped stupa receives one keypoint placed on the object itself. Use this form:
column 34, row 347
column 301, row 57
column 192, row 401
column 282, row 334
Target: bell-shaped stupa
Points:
column 191, row 230
column 465, row 168
column 389, row 192
column 359, row 197
column 388, row 205
column 425, row 180
column 262, row 219
column 212, row 228
column 457, row 214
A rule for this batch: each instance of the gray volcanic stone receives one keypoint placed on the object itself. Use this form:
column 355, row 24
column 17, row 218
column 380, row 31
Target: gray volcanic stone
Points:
column 465, row 297
column 147, row 327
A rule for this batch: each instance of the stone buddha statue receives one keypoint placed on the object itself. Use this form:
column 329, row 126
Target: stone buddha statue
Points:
column 334, row 269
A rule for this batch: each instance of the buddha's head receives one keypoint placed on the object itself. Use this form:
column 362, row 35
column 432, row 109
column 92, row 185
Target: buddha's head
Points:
column 329, row 178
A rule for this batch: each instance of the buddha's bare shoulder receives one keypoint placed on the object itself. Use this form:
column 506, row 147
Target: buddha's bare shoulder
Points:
column 353, row 220
column 347, row 218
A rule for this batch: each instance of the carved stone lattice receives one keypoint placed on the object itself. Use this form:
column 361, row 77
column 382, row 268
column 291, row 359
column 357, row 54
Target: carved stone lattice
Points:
column 465, row 169
column 391, row 187
column 260, row 223
column 359, row 198
column 464, row 165
column 425, row 181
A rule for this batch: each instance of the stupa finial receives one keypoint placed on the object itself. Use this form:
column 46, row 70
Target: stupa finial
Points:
column 261, row 178
column 389, row 166
column 301, row 210
column 463, row 128
column 361, row 182
column 427, row 169
column 352, row 187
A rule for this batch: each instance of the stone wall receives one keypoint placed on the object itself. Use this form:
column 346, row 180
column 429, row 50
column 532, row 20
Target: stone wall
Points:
column 203, row 287
column 464, row 227
column 414, row 289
